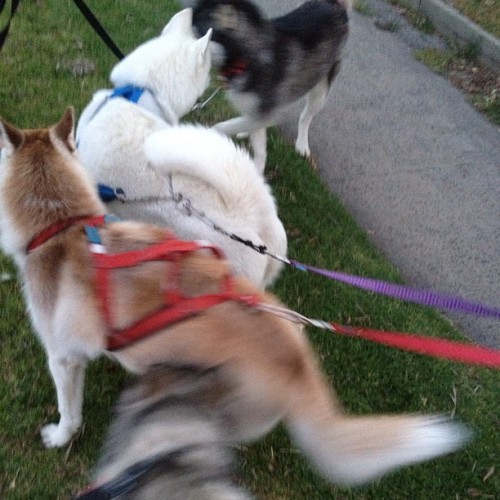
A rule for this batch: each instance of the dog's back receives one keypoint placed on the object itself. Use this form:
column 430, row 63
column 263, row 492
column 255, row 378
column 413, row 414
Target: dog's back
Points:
column 168, row 435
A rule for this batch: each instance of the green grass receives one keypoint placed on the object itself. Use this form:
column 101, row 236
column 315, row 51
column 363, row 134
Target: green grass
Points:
column 485, row 13
column 37, row 84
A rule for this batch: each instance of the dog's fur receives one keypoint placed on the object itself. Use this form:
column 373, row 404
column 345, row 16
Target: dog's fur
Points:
column 170, row 429
column 270, row 64
column 131, row 146
column 174, row 68
column 275, row 372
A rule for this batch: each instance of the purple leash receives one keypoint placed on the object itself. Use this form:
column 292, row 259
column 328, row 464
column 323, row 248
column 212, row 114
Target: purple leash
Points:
column 401, row 292
column 418, row 296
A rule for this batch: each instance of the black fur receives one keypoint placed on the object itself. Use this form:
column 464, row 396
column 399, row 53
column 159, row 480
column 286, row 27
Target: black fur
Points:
column 260, row 54
column 186, row 464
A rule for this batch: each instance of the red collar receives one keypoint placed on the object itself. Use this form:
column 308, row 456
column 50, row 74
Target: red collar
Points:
column 59, row 227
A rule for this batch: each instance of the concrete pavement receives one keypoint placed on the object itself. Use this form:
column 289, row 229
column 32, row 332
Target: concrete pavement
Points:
column 415, row 164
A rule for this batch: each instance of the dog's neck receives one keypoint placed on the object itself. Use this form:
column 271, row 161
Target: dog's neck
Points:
column 142, row 97
column 149, row 102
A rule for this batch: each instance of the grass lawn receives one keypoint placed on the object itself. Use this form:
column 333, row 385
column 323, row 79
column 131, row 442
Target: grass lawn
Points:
column 485, row 13
column 53, row 58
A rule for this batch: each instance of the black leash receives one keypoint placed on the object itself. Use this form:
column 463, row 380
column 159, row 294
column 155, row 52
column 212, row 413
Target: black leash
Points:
column 14, row 4
column 98, row 28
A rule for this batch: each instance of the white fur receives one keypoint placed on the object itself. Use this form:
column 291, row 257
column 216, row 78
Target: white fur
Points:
column 218, row 177
column 175, row 66
column 357, row 450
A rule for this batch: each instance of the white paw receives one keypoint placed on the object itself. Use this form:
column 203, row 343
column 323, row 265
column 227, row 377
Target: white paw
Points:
column 303, row 148
column 242, row 135
column 54, row 436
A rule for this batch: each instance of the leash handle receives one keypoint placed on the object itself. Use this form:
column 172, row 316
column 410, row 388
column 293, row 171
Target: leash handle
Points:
column 98, row 28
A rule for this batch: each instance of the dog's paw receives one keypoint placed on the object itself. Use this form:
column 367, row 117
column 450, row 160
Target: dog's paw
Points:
column 53, row 436
column 305, row 152
column 302, row 147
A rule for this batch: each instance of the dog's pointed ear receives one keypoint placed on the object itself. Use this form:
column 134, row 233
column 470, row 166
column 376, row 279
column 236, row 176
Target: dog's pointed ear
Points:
column 11, row 137
column 65, row 128
column 203, row 45
column 181, row 22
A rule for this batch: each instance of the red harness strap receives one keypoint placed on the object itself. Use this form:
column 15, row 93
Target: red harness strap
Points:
column 177, row 306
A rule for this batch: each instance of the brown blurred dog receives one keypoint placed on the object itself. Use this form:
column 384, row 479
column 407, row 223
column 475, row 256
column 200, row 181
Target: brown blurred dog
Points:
column 44, row 193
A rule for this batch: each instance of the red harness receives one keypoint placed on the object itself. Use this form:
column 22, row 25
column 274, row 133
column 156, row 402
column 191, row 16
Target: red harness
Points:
column 177, row 306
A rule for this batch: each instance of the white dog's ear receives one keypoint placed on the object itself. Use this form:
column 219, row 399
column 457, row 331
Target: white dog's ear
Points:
column 203, row 44
column 181, row 22
column 65, row 128
column 10, row 137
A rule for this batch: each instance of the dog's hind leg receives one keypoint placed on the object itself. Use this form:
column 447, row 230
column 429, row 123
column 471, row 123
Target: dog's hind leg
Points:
column 258, row 142
column 315, row 100
column 68, row 375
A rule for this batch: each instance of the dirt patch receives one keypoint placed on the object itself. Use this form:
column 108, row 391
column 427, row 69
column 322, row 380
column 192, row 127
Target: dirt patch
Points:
column 473, row 78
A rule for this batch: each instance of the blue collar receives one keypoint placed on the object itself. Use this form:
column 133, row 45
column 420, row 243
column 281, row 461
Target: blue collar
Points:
column 129, row 92
column 107, row 193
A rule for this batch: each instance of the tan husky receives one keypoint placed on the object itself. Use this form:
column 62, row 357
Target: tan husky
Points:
column 45, row 193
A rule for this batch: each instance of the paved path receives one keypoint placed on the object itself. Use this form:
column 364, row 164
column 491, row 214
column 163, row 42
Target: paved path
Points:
column 415, row 164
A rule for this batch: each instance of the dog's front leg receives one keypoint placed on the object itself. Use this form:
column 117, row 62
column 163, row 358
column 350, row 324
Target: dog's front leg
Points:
column 68, row 375
column 240, row 124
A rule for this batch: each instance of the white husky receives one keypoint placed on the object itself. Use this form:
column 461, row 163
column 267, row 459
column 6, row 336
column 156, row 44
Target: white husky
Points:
column 140, row 148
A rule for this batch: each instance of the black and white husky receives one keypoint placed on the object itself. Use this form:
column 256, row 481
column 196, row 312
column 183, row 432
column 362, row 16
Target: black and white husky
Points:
column 168, row 439
column 270, row 64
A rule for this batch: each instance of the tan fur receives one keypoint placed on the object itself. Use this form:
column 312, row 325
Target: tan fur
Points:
column 275, row 369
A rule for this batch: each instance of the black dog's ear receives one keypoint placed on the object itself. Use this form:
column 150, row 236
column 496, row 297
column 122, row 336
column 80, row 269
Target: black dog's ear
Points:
column 10, row 135
column 65, row 128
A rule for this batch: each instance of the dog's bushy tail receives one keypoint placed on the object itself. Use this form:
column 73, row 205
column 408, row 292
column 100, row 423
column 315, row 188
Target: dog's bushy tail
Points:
column 202, row 153
column 353, row 450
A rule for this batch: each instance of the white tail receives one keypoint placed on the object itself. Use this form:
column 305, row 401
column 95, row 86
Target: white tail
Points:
column 354, row 450
column 202, row 153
